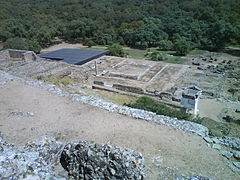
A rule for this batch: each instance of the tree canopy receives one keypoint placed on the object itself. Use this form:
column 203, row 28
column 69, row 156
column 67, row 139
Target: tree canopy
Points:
column 142, row 24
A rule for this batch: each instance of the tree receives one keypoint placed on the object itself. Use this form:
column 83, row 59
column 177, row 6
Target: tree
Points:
column 181, row 45
column 147, row 35
column 33, row 45
column 12, row 28
column 165, row 45
column 218, row 35
column 89, row 43
column 16, row 43
column 116, row 50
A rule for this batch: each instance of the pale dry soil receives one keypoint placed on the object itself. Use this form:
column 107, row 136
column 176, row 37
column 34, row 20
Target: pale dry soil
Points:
column 67, row 120
column 61, row 46
column 212, row 108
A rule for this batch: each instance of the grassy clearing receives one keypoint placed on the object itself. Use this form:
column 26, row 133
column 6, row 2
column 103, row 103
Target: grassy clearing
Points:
column 175, row 60
column 135, row 53
column 197, row 51
column 219, row 128
column 98, row 47
column 141, row 54
column 117, row 98
column 56, row 80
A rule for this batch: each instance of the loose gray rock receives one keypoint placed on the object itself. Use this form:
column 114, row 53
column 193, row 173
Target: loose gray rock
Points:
column 22, row 114
column 85, row 160
column 215, row 140
column 238, row 110
column 234, row 168
column 237, row 164
column 208, row 139
column 231, row 142
column 36, row 160
column 216, row 146
column 198, row 178
column 227, row 154
column 236, row 154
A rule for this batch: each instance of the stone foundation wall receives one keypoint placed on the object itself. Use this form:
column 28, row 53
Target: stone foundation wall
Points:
column 16, row 54
column 19, row 55
column 128, row 88
column 125, row 76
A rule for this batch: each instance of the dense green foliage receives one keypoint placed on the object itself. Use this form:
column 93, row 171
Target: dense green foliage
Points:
column 152, row 105
column 165, row 45
column 116, row 50
column 157, row 56
column 141, row 24
column 16, row 43
column 181, row 45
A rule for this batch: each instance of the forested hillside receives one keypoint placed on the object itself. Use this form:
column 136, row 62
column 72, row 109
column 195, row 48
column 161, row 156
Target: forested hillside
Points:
column 205, row 24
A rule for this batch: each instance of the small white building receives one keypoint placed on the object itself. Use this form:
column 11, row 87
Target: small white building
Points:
column 190, row 99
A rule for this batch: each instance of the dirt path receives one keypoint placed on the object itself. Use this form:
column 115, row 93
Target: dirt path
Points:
column 62, row 45
column 67, row 120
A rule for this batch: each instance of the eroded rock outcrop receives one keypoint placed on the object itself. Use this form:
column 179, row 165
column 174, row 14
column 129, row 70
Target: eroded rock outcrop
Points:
column 85, row 160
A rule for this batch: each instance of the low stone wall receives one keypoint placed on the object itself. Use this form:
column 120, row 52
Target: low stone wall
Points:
column 16, row 54
column 128, row 88
column 100, row 83
column 21, row 55
column 30, row 56
column 125, row 76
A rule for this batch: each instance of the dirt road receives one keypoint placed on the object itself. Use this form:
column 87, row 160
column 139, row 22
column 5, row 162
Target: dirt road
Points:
column 67, row 120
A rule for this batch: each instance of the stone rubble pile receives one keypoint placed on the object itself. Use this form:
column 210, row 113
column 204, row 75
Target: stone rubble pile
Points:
column 231, row 142
column 229, row 147
column 36, row 159
column 85, row 160
column 109, row 106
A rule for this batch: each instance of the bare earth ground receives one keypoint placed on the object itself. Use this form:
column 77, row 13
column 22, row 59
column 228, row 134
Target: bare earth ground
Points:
column 67, row 120
column 212, row 108
column 62, row 45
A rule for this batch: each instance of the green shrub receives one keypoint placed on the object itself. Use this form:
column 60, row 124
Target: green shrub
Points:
column 89, row 43
column 34, row 46
column 157, row 56
column 181, row 45
column 165, row 45
column 22, row 44
column 116, row 50
column 149, row 104
column 16, row 43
